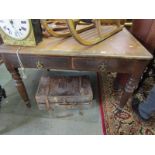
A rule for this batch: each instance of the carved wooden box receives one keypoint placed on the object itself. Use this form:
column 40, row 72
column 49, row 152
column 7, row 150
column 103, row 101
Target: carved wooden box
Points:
column 64, row 91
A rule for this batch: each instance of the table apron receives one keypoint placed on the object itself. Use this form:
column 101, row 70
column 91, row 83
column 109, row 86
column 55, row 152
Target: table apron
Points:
column 74, row 63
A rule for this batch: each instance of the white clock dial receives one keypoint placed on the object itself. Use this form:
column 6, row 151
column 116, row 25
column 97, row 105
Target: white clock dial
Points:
column 16, row 28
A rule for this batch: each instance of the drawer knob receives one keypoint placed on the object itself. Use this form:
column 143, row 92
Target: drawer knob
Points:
column 102, row 67
column 39, row 65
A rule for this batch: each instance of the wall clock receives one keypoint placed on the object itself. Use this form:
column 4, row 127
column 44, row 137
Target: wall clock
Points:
column 24, row 32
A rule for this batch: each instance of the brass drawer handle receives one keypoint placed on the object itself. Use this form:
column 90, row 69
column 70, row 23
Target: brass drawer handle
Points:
column 39, row 65
column 102, row 67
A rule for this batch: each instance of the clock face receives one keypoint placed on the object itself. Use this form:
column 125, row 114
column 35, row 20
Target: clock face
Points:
column 16, row 28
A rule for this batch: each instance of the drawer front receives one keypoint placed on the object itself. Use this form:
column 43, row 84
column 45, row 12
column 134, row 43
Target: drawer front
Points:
column 106, row 64
column 40, row 61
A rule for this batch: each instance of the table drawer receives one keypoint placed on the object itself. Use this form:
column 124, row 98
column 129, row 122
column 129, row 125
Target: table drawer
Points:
column 107, row 64
column 32, row 61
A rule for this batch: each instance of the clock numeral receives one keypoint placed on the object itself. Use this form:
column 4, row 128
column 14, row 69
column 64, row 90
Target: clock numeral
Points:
column 23, row 22
column 4, row 27
column 20, row 33
column 23, row 28
column 9, row 31
column 17, row 34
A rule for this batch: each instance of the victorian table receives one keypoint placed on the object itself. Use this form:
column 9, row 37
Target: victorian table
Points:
column 120, row 53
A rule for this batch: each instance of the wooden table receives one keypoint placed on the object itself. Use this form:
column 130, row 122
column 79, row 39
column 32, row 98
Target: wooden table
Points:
column 119, row 53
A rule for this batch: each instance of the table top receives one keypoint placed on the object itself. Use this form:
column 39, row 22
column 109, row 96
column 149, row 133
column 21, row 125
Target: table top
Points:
column 121, row 45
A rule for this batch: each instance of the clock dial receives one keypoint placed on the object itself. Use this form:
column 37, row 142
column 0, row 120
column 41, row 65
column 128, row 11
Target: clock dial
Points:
column 16, row 28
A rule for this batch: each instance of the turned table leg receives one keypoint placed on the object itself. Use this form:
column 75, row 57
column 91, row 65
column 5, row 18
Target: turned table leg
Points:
column 18, row 83
column 20, row 86
column 130, row 86
column 132, row 83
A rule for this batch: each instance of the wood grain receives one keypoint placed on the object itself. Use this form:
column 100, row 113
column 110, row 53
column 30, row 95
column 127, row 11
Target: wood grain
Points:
column 120, row 45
